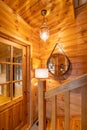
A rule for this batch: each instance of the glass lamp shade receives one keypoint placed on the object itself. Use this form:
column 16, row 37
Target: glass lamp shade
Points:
column 44, row 32
column 41, row 73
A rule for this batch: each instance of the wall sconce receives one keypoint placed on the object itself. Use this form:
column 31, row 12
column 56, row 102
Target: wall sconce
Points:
column 44, row 30
column 41, row 73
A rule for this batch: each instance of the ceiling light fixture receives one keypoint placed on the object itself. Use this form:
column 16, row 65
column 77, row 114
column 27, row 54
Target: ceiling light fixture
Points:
column 44, row 30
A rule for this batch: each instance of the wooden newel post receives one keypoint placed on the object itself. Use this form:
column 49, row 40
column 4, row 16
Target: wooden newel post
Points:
column 41, row 105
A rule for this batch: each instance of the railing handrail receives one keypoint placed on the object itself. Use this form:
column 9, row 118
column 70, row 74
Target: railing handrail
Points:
column 76, row 83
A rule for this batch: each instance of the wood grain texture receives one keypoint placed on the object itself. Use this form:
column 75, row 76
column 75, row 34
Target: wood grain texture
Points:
column 79, row 82
column 15, row 29
column 54, row 112
column 70, row 32
column 72, row 35
column 17, row 105
column 12, row 117
column 41, row 105
column 67, row 110
column 75, row 123
column 84, row 107
column 14, row 26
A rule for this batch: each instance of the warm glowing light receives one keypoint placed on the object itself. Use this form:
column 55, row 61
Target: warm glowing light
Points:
column 44, row 33
column 41, row 73
column 44, row 30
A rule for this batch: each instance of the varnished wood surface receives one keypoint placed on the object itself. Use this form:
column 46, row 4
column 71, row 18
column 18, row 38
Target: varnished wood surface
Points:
column 67, row 110
column 82, row 82
column 79, row 82
column 54, row 112
column 41, row 105
column 19, row 105
column 75, row 123
column 12, row 117
column 30, row 11
column 70, row 31
column 84, row 107
column 16, row 27
column 73, row 38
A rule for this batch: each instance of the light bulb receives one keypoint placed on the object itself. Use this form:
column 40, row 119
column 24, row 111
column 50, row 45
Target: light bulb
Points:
column 44, row 30
column 44, row 33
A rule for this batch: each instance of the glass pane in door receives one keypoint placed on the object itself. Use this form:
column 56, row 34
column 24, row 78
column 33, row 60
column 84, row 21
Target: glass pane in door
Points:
column 17, row 55
column 4, row 73
column 4, row 93
column 5, row 52
column 17, row 89
column 17, row 72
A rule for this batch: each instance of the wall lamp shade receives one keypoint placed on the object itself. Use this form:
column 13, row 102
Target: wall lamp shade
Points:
column 41, row 73
column 44, row 30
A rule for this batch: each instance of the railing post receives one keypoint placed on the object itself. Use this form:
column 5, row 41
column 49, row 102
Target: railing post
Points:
column 67, row 110
column 54, row 113
column 84, row 107
column 41, row 105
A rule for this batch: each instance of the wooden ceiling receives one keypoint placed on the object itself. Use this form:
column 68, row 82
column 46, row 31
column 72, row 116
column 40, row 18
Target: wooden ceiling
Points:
column 58, row 13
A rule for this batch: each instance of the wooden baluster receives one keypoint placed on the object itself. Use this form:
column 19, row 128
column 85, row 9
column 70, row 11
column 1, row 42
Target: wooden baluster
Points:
column 84, row 107
column 67, row 110
column 41, row 105
column 54, row 113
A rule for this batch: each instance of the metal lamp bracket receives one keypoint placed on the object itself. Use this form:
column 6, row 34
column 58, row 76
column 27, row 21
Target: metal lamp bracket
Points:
column 43, row 12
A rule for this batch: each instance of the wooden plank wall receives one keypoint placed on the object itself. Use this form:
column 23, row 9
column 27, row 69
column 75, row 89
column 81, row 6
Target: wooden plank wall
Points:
column 73, row 38
column 13, row 26
column 12, row 118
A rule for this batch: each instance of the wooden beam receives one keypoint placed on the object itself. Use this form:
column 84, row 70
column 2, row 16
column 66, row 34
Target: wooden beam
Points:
column 84, row 107
column 67, row 110
column 41, row 105
column 54, row 112
column 79, row 82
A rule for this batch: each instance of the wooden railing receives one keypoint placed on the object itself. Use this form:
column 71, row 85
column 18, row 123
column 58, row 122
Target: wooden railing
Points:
column 79, row 3
column 65, row 88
